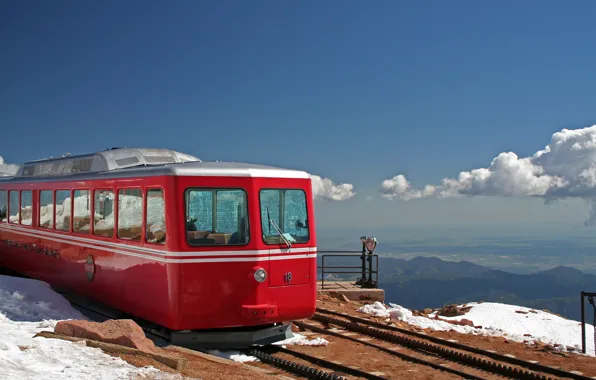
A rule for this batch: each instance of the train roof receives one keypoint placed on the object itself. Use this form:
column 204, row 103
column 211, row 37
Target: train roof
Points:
column 142, row 162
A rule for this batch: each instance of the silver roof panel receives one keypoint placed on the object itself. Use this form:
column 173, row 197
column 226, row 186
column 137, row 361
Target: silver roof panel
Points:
column 139, row 162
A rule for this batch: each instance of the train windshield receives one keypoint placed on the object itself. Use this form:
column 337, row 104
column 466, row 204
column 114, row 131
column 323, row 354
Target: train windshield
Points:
column 216, row 217
column 283, row 216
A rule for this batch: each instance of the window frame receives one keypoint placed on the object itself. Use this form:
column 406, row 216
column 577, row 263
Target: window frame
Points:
column 21, row 208
column 117, row 214
column 18, row 221
column 51, row 227
column 7, row 212
column 145, row 218
column 282, row 201
column 214, row 219
column 114, row 227
column 72, row 211
column 70, row 221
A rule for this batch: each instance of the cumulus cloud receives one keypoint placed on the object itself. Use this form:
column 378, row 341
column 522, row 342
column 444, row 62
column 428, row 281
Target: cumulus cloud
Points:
column 565, row 168
column 7, row 169
column 398, row 187
column 324, row 188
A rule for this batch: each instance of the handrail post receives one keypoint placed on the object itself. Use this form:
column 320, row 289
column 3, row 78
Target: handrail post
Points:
column 369, row 259
column 376, row 271
column 362, row 278
column 323, row 272
column 583, row 324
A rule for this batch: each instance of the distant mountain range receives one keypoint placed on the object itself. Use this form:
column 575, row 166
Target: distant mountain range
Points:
column 429, row 282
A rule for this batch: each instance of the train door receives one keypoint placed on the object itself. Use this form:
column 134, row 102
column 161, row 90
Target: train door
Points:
column 285, row 229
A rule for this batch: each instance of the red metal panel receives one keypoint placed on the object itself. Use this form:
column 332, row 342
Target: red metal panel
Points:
column 172, row 290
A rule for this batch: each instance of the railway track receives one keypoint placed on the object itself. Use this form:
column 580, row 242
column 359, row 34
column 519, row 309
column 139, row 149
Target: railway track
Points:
column 425, row 349
column 319, row 369
column 470, row 362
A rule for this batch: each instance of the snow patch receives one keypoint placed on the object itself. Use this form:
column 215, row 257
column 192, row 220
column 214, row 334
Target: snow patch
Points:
column 28, row 307
column 236, row 356
column 296, row 340
column 301, row 340
column 512, row 322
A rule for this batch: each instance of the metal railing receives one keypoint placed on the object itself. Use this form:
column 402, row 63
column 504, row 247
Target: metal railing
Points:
column 366, row 279
column 591, row 297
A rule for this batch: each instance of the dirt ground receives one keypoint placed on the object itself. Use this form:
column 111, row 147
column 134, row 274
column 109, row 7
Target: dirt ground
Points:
column 200, row 368
column 366, row 358
column 564, row 360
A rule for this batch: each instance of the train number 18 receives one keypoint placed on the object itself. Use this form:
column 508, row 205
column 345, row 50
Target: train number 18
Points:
column 288, row 277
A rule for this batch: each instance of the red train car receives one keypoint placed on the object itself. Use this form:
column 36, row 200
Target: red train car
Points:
column 218, row 254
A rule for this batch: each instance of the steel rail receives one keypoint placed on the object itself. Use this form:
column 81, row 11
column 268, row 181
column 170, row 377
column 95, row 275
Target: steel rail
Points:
column 380, row 330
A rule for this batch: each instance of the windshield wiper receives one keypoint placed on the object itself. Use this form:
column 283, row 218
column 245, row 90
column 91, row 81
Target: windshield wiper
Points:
column 279, row 231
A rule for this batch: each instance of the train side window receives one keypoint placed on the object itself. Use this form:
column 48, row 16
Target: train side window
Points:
column 26, row 208
column 3, row 206
column 130, row 214
column 284, row 210
column 104, row 213
column 217, row 217
column 62, row 210
column 13, row 207
column 81, row 221
column 46, row 209
column 156, row 217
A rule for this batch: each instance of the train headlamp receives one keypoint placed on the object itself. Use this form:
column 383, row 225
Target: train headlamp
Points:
column 260, row 275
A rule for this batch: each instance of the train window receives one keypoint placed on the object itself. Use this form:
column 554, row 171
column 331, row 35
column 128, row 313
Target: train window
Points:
column 26, row 207
column 46, row 209
column 156, row 217
column 81, row 221
column 3, row 206
column 62, row 210
column 130, row 214
column 104, row 213
column 283, row 215
column 216, row 217
column 13, row 207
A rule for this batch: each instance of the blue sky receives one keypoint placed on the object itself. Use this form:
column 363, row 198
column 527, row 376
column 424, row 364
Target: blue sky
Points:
column 350, row 90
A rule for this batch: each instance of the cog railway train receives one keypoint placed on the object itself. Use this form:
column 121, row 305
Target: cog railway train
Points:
column 217, row 254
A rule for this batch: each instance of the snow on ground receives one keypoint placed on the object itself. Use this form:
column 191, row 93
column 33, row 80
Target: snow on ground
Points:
column 296, row 340
column 301, row 340
column 30, row 306
column 497, row 319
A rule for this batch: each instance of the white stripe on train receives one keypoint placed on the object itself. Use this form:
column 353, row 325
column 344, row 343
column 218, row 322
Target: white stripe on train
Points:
column 258, row 255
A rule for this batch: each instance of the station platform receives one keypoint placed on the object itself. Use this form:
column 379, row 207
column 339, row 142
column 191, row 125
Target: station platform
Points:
column 351, row 291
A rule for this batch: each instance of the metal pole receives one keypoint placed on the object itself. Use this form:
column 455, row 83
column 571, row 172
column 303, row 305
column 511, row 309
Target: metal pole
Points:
column 370, row 269
column 377, row 271
column 363, row 258
column 583, row 324
column 323, row 273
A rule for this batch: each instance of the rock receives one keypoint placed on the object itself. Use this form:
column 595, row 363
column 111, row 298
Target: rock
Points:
column 521, row 312
column 527, row 334
column 124, row 332
column 451, row 311
column 462, row 322
column 427, row 311
column 465, row 322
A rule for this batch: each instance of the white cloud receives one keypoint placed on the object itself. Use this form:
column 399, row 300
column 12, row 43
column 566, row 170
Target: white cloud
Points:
column 398, row 187
column 7, row 169
column 324, row 188
column 566, row 167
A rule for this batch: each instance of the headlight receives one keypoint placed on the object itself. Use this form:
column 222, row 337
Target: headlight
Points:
column 260, row 275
